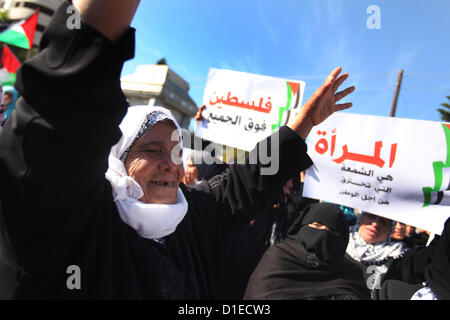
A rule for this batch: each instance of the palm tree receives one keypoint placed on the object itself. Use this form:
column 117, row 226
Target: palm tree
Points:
column 445, row 113
column 162, row 61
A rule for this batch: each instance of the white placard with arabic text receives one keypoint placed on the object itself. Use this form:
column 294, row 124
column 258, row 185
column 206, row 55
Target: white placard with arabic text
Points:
column 243, row 108
column 392, row 167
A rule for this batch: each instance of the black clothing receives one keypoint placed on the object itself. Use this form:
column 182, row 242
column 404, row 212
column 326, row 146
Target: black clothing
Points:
column 239, row 255
column 396, row 290
column 310, row 264
column 416, row 240
column 410, row 268
column 288, row 272
column 329, row 245
column 247, row 242
column 57, row 208
column 208, row 171
column 375, row 272
column 286, row 212
column 416, row 268
column 437, row 273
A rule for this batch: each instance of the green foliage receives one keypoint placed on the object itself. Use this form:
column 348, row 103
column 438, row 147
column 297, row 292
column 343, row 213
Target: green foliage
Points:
column 162, row 61
column 445, row 113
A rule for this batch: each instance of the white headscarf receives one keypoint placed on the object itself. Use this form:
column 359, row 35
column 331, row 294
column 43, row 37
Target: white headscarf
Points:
column 151, row 221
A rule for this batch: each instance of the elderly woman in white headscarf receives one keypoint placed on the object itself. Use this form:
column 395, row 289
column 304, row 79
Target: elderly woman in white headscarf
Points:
column 144, row 177
column 67, row 231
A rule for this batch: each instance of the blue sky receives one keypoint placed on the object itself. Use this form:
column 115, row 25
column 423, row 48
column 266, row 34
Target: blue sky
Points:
column 305, row 40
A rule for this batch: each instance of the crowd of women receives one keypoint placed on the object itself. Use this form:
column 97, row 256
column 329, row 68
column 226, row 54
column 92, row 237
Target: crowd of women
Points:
column 92, row 203
column 308, row 249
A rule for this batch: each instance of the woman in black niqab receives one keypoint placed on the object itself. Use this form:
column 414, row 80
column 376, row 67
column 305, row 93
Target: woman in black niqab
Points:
column 310, row 264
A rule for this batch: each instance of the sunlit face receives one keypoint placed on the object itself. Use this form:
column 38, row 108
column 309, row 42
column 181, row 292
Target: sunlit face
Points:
column 149, row 163
column 399, row 231
column 374, row 229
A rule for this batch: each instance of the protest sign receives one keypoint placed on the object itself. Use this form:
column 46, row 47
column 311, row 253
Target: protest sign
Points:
column 243, row 109
column 392, row 167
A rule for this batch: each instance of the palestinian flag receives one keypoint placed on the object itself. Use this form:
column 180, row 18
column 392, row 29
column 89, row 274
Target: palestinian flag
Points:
column 10, row 64
column 21, row 34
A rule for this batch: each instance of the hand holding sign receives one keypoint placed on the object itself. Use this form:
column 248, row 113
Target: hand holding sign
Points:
column 199, row 116
column 321, row 104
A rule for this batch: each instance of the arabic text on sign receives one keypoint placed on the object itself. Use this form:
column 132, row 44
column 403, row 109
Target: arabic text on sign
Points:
column 233, row 101
column 322, row 146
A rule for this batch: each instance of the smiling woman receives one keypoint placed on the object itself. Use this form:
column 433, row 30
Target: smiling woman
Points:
column 149, row 163
column 143, row 172
column 102, row 192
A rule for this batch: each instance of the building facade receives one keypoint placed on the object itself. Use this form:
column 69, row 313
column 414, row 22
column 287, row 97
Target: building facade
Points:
column 150, row 84
column 20, row 9
column 158, row 85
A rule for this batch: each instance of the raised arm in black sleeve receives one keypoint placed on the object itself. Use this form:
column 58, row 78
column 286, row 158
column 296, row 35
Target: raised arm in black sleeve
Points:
column 250, row 187
column 55, row 146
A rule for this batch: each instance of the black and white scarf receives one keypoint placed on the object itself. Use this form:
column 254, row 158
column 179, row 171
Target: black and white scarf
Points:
column 377, row 253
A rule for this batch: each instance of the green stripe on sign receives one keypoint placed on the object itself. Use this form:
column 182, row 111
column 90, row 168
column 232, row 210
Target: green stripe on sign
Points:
column 281, row 110
column 438, row 167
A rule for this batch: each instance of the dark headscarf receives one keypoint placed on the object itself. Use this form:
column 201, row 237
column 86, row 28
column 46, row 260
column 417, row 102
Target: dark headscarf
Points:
column 296, row 268
column 438, row 272
column 327, row 246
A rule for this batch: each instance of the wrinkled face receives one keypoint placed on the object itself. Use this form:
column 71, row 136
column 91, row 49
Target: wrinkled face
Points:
column 149, row 163
column 399, row 231
column 374, row 229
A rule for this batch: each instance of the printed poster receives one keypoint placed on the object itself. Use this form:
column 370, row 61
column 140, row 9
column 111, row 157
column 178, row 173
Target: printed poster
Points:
column 392, row 167
column 243, row 109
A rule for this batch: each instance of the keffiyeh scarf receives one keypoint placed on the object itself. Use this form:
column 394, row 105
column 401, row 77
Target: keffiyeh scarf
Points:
column 376, row 253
